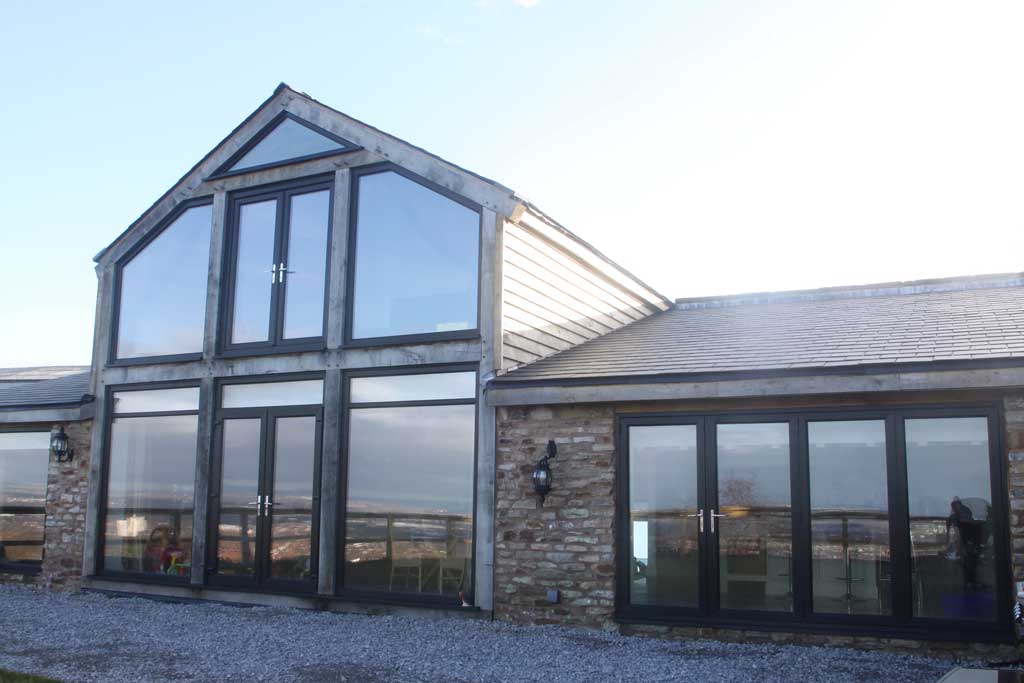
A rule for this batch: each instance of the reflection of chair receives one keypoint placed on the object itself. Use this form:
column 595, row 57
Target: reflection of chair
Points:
column 451, row 575
column 402, row 571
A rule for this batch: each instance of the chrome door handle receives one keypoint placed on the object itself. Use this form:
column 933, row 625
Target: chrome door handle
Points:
column 259, row 505
column 713, row 516
column 700, row 519
column 273, row 274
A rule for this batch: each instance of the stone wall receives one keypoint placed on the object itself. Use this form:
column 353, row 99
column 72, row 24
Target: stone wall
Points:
column 1014, row 411
column 567, row 544
column 67, row 488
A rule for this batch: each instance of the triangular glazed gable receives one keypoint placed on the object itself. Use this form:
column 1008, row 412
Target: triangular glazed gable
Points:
column 286, row 139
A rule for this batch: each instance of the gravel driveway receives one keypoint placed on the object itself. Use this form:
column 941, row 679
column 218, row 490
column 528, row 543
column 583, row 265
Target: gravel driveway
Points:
column 90, row 637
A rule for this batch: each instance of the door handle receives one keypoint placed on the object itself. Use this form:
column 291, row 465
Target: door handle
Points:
column 713, row 516
column 700, row 519
column 259, row 505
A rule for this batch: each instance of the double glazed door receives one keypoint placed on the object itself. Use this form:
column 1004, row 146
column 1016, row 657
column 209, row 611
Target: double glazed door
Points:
column 710, row 534
column 853, row 519
column 266, row 500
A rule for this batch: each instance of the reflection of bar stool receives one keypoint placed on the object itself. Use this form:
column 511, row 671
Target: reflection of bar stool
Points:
column 451, row 575
column 403, row 571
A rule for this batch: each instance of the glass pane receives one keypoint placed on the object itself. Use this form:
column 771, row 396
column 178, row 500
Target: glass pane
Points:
column 755, row 539
column 163, row 290
column 156, row 400
column 289, row 140
column 261, row 394
column 24, row 459
column 291, row 526
column 426, row 387
column 410, row 499
column 306, row 265
column 416, row 260
column 950, row 500
column 239, row 486
column 663, row 515
column 250, row 321
column 849, row 517
column 149, row 495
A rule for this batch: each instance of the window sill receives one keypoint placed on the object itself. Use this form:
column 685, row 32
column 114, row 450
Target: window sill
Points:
column 404, row 339
column 155, row 360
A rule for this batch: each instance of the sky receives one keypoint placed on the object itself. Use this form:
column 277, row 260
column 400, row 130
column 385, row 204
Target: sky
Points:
column 708, row 147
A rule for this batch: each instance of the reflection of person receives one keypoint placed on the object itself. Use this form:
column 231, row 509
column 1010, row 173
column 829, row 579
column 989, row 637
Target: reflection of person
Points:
column 964, row 536
column 162, row 552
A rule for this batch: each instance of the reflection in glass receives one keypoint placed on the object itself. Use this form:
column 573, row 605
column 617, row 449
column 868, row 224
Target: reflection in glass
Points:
column 24, row 459
column 849, row 517
column 291, row 526
column 409, row 519
column 420, row 387
column 239, row 486
column 163, row 290
column 149, row 495
column 950, row 501
column 415, row 261
column 306, row 264
column 156, row 400
column 663, row 521
column 755, row 540
column 250, row 321
column 262, row 394
column 288, row 140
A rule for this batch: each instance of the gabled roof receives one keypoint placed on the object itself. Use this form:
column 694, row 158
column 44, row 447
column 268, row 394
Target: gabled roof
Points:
column 961, row 322
column 65, row 391
column 34, row 374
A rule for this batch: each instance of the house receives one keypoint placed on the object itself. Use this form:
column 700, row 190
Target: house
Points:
column 327, row 362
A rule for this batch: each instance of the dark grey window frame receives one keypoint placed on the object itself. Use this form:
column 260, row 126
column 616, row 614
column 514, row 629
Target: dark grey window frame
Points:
column 393, row 597
column 223, row 171
column 26, row 568
column 384, row 167
column 101, row 521
column 275, row 344
column 261, row 583
column 115, row 319
column 901, row 624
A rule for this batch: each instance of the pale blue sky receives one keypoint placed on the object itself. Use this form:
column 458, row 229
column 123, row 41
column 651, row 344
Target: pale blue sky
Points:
column 708, row 147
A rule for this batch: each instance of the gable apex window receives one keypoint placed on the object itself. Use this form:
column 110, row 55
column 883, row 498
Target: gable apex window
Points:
column 161, row 288
column 276, row 267
column 287, row 139
column 416, row 253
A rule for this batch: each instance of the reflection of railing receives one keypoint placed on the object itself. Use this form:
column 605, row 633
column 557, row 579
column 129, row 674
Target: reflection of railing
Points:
column 23, row 542
column 246, row 537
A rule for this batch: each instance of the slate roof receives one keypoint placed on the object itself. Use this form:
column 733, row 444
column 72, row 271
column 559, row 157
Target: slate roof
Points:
column 67, row 390
column 32, row 374
column 976, row 320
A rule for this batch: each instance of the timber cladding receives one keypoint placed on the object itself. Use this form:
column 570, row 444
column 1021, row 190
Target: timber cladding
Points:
column 569, row 543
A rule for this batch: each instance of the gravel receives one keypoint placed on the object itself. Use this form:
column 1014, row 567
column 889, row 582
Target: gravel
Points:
column 92, row 637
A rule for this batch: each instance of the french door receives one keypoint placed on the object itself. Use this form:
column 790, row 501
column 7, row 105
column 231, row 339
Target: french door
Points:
column 265, row 499
column 887, row 520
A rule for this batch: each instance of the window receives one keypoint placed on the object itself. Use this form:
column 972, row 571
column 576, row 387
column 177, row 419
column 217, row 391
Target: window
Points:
column 286, row 139
column 416, row 254
column 279, row 267
column 162, row 291
column 409, row 514
column 150, row 481
column 24, row 458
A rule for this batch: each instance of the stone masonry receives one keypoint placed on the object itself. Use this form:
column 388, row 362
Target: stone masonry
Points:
column 67, row 487
column 1014, row 411
column 567, row 544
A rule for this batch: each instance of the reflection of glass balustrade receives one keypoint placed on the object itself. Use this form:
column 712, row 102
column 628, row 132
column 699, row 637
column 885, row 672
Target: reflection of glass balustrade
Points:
column 21, row 533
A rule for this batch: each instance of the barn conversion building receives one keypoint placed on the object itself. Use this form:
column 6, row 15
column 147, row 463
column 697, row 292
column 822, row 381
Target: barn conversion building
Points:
column 327, row 362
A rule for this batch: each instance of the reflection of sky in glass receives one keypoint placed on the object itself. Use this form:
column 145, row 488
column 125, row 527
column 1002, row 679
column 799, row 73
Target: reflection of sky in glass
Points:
column 259, row 394
column 288, row 140
column 662, row 468
column 415, row 262
column 306, row 263
column 163, row 290
column 847, row 465
column 156, row 400
column 250, row 315
column 152, row 462
column 415, row 459
column 294, row 458
column 753, row 464
column 947, row 457
column 24, row 458
column 240, row 462
column 419, row 387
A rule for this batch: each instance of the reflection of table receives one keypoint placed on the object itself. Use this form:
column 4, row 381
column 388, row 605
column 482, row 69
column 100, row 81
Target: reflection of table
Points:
column 422, row 573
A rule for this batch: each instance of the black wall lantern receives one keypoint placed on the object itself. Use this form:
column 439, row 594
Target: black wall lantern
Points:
column 61, row 446
column 542, row 472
